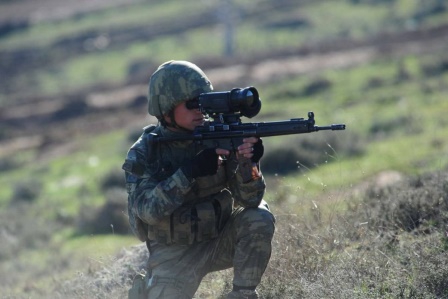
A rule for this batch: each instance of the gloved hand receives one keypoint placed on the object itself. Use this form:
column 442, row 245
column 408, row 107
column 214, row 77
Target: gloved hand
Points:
column 203, row 164
column 258, row 151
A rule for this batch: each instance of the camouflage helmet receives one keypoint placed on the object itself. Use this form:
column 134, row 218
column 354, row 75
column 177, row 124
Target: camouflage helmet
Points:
column 174, row 82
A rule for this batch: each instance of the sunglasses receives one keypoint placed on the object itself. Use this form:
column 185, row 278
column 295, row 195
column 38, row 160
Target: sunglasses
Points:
column 192, row 104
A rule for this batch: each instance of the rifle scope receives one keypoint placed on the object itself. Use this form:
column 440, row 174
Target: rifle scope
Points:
column 243, row 100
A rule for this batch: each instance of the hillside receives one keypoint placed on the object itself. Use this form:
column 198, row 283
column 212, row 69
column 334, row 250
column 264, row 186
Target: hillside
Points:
column 30, row 121
column 48, row 119
column 73, row 98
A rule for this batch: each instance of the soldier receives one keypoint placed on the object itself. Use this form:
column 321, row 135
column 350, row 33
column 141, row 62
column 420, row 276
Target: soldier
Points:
column 190, row 206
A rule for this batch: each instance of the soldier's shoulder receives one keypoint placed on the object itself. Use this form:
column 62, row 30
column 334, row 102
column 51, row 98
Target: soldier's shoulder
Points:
column 143, row 139
column 149, row 128
column 137, row 157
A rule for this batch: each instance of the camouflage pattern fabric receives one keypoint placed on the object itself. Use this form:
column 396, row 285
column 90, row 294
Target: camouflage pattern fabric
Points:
column 174, row 82
column 162, row 188
column 244, row 244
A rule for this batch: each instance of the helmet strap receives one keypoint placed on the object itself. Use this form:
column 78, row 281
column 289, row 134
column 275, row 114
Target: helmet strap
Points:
column 172, row 123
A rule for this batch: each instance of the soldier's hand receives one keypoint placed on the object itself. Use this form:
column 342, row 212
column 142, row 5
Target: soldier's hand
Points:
column 258, row 151
column 203, row 164
column 252, row 148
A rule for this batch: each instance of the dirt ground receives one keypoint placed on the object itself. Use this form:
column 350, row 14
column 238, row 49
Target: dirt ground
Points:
column 39, row 10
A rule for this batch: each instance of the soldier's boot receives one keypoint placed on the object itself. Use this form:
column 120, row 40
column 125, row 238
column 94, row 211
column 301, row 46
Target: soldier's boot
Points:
column 243, row 294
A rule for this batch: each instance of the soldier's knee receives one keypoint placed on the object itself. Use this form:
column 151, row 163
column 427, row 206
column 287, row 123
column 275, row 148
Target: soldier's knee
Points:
column 258, row 220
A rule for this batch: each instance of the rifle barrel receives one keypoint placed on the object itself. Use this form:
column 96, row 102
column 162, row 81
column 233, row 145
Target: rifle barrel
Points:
column 334, row 127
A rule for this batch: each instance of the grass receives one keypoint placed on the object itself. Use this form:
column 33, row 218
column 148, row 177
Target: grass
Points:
column 45, row 33
column 318, row 194
column 336, row 19
column 94, row 251
column 96, row 248
column 381, row 156
column 318, row 248
column 328, row 20
column 61, row 185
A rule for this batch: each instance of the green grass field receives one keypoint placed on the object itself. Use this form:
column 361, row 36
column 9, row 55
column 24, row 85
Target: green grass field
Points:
column 394, row 109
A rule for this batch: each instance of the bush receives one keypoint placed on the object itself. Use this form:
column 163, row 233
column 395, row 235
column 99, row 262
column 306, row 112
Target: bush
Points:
column 382, row 128
column 281, row 161
column 26, row 191
column 23, row 228
column 111, row 218
column 437, row 68
column 7, row 164
column 317, row 257
column 407, row 205
column 75, row 108
column 113, row 179
column 308, row 151
column 112, row 281
column 316, row 86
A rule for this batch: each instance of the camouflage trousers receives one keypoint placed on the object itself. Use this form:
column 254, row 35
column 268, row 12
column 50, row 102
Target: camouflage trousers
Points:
column 244, row 244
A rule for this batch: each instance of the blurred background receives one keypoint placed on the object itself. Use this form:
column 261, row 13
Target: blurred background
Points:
column 73, row 84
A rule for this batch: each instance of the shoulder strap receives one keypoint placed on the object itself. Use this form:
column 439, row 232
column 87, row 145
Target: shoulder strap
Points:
column 149, row 128
column 149, row 141
column 144, row 146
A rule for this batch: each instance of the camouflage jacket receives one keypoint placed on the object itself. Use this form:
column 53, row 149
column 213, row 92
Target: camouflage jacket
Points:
column 157, row 186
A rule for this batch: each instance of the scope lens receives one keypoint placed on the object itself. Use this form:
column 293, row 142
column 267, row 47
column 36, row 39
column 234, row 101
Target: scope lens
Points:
column 240, row 98
column 251, row 103
column 249, row 97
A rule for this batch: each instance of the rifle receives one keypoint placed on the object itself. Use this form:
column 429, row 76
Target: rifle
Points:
column 224, row 129
column 230, row 135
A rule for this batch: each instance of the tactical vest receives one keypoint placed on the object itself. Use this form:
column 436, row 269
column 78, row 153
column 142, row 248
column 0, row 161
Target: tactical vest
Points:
column 197, row 222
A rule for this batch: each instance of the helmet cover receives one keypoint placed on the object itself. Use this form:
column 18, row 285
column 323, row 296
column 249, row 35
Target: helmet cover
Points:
column 174, row 82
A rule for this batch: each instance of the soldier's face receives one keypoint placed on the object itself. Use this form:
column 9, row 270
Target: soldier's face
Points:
column 188, row 118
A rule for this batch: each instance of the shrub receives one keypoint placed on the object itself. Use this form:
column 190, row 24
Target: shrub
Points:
column 317, row 86
column 382, row 128
column 408, row 205
column 112, row 281
column 110, row 218
column 75, row 108
column 434, row 273
column 23, row 228
column 281, row 161
column 113, row 179
column 375, row 82
column 7, row 164
column 318, row 258
column 308, row 151
column 435, row 69
column 27, row 190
